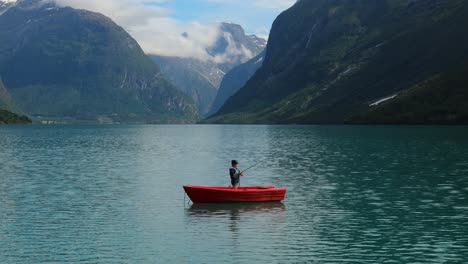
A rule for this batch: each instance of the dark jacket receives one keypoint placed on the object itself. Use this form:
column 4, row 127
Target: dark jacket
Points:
column 234, row 173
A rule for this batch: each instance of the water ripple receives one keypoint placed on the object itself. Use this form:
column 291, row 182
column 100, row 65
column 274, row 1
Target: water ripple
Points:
column 112, row 194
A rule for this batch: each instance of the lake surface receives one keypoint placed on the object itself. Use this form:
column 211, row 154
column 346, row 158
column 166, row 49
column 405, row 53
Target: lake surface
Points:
column 113, row 194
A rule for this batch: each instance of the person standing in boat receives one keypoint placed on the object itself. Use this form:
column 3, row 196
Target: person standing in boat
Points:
column 235, row 174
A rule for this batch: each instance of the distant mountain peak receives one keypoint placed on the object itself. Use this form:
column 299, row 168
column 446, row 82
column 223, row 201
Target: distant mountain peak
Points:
column 234, row 47
column 232, row 27
column 200, row 79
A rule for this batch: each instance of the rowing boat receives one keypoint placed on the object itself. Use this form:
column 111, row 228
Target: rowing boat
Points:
column 218, row 194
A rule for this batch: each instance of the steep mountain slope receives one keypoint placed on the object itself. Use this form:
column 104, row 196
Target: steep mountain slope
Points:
column 328, row 60
column 6, row 102
column 7, row 117
column 200, row 79
column 79, row 65
column 195, row 78
column 442, row 99
column 4, row 5
column 236, row 79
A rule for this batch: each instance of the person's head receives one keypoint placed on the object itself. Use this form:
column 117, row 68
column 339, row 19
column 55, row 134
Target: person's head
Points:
column 234, row 163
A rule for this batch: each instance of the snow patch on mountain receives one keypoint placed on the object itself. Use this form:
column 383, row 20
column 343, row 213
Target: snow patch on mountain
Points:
column 383, row 100
column 5, row 5
column 259, row 60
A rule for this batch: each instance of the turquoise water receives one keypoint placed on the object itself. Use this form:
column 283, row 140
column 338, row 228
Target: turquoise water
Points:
column 113, row 194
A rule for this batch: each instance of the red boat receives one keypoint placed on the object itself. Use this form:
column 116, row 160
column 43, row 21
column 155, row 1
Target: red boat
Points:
column 217, row 194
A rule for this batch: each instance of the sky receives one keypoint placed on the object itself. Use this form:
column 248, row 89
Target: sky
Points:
column 158, row 25
column 256, row 16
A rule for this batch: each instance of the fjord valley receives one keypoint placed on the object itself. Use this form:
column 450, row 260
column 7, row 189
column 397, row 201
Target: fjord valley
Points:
column 230, row 131
column 337, row 62
column 367, row 62
column 236, row 79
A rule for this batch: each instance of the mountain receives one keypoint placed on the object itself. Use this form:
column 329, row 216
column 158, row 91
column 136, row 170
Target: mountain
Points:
column 195, row 78
column 7, row 117
column 236, row 79
column 76, row 65
column 6, row 3
column 234, row 47
column 330, row 61
column 6, row 102
column 201, row 79
column 7, row 105
column 442, row 99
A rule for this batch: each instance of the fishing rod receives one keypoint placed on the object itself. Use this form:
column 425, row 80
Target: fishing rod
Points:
column 253, row 166
column 250, row 168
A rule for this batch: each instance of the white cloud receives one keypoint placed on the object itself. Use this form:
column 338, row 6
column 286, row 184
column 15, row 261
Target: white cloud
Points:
column 163, row 36
column 125, row 12
column 158, row 33
column 233, row 51
column 152, row 27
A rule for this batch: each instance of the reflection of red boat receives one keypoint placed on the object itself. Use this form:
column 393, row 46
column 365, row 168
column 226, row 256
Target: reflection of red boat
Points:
column 217, row 194
column 233, row 208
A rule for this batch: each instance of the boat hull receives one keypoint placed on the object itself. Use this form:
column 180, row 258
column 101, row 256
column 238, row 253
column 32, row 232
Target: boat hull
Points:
column 216, row 194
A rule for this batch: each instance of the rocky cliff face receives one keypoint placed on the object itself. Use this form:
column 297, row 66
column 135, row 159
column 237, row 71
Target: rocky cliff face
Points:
column 330, row 60
column 79, row 65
